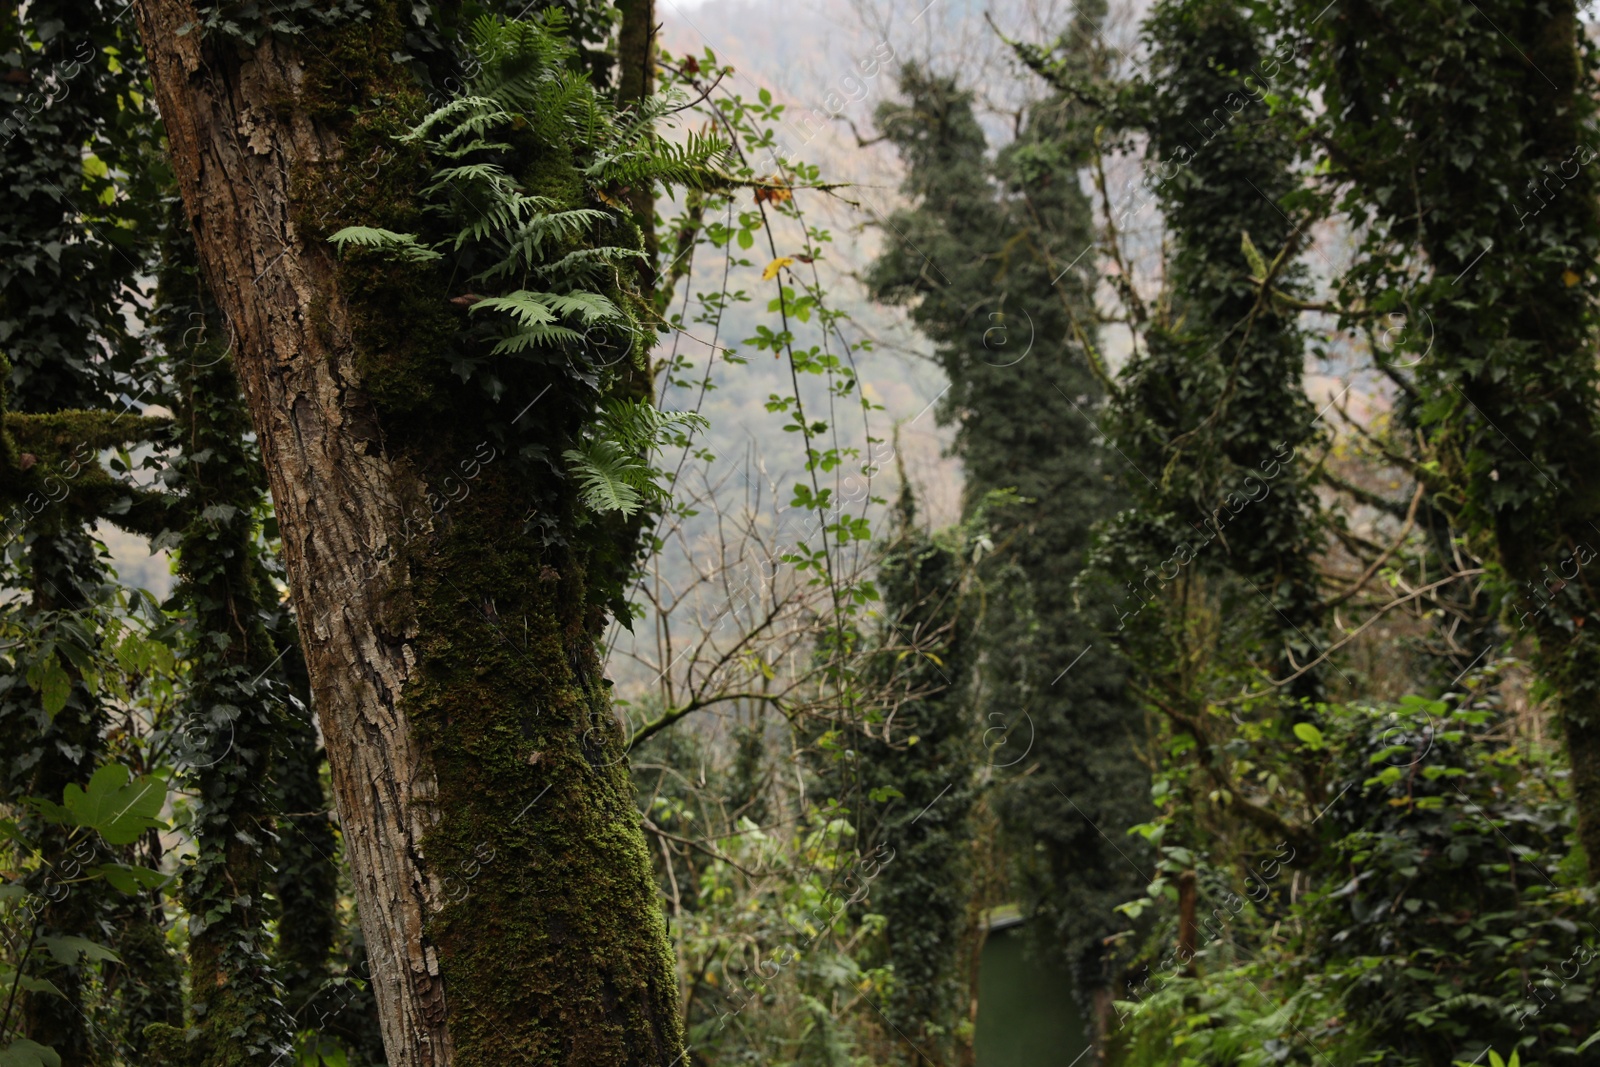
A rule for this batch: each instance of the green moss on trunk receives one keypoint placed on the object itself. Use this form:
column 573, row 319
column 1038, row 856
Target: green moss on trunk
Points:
column 551, row 941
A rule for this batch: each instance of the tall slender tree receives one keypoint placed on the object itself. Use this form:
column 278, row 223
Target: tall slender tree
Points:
column 924, row 763
column 988, row 261
column 236, row 703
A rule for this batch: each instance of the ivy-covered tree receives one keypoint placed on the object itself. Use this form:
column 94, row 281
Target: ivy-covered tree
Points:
column 71, row 257
column 916, row 779
column 1493, row 240
column 1213, row 402
column 235, row 705
column 986, row 258
column 1219, row 557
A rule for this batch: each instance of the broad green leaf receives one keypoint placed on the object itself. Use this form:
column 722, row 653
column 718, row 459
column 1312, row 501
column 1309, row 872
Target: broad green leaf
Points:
column 29, row 984
column 25, row 1053
column 119, row 809
column 129, row 879
column 53, row 683
column 68, row 950
column 1309, row 734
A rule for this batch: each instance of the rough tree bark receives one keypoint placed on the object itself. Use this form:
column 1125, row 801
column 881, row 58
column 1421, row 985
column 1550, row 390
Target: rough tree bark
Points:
column 503, row 885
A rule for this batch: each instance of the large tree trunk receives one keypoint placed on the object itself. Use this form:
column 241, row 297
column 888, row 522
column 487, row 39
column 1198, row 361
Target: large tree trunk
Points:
column 503, row 884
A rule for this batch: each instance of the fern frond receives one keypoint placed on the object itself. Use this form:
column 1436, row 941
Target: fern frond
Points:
column 525, row 249
column 522, row 62
column 404, row 245
column 697, row 162
column 585, row 260
column 590, row 308
column 461, row 105
column 639, row 424
column 532, row 309
column 477, row 144
column 529, row 309
column 538, row 317
column 610, row 478
column 498, row 214
column 542, row 336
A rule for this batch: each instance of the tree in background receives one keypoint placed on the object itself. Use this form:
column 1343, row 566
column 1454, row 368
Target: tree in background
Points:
column 987, row 260
column 915, row 784
column 236, row 704
column 1498, row 246
column 71, row 231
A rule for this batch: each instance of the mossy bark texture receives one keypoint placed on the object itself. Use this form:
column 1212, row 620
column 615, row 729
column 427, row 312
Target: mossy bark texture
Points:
column 503, row 884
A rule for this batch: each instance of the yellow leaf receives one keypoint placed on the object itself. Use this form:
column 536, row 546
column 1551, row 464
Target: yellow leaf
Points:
column 778, row 264
column 1570, row 278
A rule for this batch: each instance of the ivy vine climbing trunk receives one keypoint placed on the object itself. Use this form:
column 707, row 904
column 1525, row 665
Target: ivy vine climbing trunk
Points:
column 987, row 258
column 235, row 704
column 1505, row 240
column 67, row 351
column 503, row 884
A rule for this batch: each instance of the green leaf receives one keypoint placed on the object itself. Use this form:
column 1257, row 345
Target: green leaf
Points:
column 52, row 682
column 25, row 1053
column 538, row 316
column 610, row 478
column 36, row 985
column 1257, row 263
column 116, row 805
column 128, row 879
column 67, row 950
column 1309, row 734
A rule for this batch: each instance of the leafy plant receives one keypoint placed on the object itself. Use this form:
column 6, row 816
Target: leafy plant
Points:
column 115, row 804
column 557, row 259
column 611, row 465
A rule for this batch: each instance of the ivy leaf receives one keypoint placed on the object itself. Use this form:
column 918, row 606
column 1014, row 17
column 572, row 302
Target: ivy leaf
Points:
column 25, row 1053
column 116, row 805
column 52, row 682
